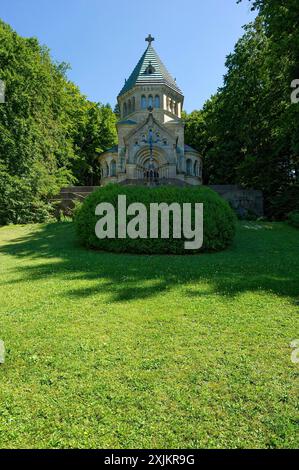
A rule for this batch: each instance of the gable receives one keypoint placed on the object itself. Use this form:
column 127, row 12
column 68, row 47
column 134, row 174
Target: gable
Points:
column 144, row 127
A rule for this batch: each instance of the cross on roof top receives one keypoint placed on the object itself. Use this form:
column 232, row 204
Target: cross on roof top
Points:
column 149, row 39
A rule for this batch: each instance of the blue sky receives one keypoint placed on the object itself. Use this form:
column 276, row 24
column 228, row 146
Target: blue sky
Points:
column 103, row 40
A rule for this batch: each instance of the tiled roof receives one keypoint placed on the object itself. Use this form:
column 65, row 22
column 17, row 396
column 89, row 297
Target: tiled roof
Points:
column 127, row 121
column 189, row 149
column 112, row 150
column 150, row 62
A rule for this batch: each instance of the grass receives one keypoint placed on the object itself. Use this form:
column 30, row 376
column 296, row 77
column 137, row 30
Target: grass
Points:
column 107, row 350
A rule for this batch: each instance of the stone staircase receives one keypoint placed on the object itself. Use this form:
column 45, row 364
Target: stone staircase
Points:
column 67, row 197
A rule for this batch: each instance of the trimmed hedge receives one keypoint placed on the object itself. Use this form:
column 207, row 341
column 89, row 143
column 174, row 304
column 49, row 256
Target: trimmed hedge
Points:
column 219, row 219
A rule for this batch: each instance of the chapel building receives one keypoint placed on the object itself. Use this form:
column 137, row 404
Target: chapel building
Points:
column 151, row 147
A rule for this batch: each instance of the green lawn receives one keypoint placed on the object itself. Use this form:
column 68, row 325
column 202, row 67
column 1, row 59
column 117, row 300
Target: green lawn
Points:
column 107, row 350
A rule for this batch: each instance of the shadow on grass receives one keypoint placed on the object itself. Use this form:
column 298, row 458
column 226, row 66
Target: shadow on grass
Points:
column 263, row 260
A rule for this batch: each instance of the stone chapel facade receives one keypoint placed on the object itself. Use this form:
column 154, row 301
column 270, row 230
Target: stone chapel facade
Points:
column 151, row 147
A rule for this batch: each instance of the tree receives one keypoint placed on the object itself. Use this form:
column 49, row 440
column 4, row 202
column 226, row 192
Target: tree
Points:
column 249, row 132
column 49, row 131
column 98, row 134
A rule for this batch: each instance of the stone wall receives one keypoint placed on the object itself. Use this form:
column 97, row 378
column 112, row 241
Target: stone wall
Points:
column 68, row 196
column 244, row 201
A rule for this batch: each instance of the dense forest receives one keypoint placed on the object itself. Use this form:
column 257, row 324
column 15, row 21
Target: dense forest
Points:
column 247, row 133
column 50, row 134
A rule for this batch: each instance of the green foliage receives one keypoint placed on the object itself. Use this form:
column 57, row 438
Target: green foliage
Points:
column 284, row 201
column 50, row 133
column 21, row 201
column 219, row 219
column 293, row 219
column 96, row 133
column 35, row 150
column 248, row 133
column 195, row 130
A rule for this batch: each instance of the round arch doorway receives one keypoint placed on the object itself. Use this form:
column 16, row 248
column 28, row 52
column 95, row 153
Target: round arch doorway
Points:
column 151, row 169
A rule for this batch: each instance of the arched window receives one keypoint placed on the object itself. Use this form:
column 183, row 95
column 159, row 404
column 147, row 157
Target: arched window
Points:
column 125, row 109
column 112, row 168
column 143, row 102
column 172, row 106
column 106, row 169
column 133, row 104
column 157, row 101
column 189, row 167
column 129, row 107
column 150, row 101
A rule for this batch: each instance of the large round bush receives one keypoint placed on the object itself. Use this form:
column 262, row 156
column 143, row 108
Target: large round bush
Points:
column 219, row 219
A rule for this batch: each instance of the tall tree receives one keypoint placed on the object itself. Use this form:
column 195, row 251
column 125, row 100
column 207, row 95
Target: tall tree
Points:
column 251, row 127
column 97, row 134
column 49, row 131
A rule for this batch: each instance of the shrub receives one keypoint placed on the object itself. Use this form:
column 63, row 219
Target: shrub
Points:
column 219, row 219
column 283, row 202
column 293, row 219
column 21, row 202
